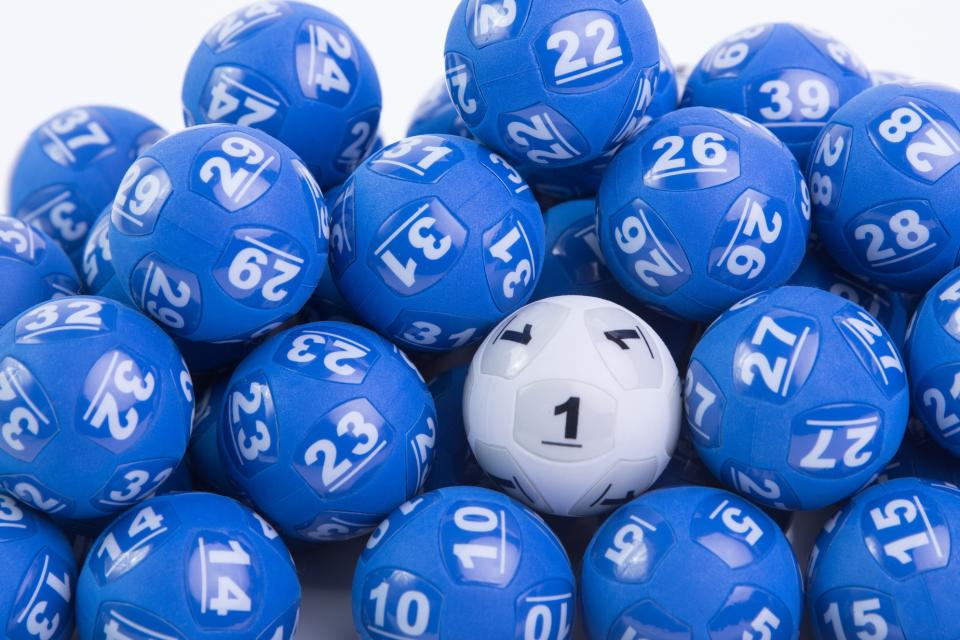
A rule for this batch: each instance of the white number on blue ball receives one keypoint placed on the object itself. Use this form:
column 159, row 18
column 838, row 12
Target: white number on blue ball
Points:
column 917, row 138
column 649, row 249
column 74, row 139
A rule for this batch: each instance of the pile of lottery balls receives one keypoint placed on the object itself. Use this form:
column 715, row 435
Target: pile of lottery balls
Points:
column 215, row 341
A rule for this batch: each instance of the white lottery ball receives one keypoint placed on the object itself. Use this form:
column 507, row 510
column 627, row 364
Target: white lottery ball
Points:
column 572, row 405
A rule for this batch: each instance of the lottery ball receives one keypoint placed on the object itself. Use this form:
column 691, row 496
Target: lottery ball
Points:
column 205, row 359
column 436, row 115
column 204, row 451
column 572, row 405
column 933, row 362
column 787, row 77
column 295, row 72
column 453, row 462
column 496, row 567
column 95, row 403
column 327, row 303
column 38, row 578
column 435, row 239
column 191, row 565
column 33, row 268
column 919, row 456
column 552, row 84
column 218, row 233
column 745, row 583
column 355, row 420
column 99, row 276
column 796, row 398
column 882, row 567
column 69, row 169
column 555, row 186
column 573, row 264
column 701, row 210
column 666, row 95
column 884, row 185
column 889, row 307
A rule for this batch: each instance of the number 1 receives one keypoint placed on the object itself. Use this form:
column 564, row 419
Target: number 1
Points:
column 570, row 407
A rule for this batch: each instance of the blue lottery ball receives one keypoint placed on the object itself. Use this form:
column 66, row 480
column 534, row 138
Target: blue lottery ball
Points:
column 95, row 403
column 209, row 358
column 919, row 456
column 691, row 562
column 787, row 77
column 434, row 240
column 666, row 92
column 453, row 462
column 573, row 264
column 219, row 233
column 685, row 468
column 889, row 307
column 552, row 83
column 702, row 209
column 886, row 566
column 191, row 565
column 497, row 570
column 555, row 186
column 933, row 362
column 99, row 276
column 436, row 115
column 355, row 420
column 796, row 398
column 294, row 71
column 884, row 184
column 204, row 451
column 33, row 268
column 69, row 169
column 327, row 303
column 39, row 576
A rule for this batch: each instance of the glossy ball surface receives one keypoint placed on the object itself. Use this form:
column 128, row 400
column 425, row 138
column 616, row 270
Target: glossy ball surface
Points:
column 572, row 405
column 434, row 239
column 702, row 209
column 39, row 576
column 747, row 582
column 294, row 71
column 327, row 428
column 885, row 184
column 885, row 565
column 95, row 403
column 70, row 167
column 553, row 83
column 190, row 565
column 796, row 398
column 33, row 268
column 452, row 562
column 933, row 362
column 219, row 233
column 787, row 77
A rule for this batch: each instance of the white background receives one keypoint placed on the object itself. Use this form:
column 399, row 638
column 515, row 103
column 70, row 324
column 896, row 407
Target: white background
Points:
column 56, row 54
